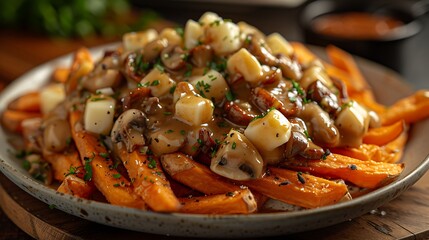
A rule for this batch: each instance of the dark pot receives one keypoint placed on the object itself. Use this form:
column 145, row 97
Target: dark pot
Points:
column 388, row 50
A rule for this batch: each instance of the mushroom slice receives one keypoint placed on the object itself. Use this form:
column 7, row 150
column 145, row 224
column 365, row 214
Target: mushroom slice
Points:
column 320, row 126
column 153, row 49
column 173, row 57
column 237, row 158
column 201, row 55
column 128, row 129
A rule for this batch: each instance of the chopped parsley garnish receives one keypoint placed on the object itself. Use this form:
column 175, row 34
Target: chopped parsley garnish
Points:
column 222, row 124
column 159, row 67
column 88, row 168
column 154, row 83
column 230, row 96
column 172, row 89
column 182, row 132
column 104, row 154
column 248, row 39
column 139, row 66
column 152, row 163
column 144, row 150
column 72, row 171
column 219, row 66
column 188, row 71
column 307, row 135
column 68, row 141
column 117, row 175
column 95, row 99
column 167, row 113
column 212, row 77
column 347, row 105
column 26, row 165
column 180, row 31
column 234, row 145
column 184, row 57
column 298, row 88
column 215, row 23
column 203, row 87
column 169, row 131
column 263, row 114
column 21, row 154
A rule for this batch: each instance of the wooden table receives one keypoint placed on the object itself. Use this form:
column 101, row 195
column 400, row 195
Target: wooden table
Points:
column 406, row 217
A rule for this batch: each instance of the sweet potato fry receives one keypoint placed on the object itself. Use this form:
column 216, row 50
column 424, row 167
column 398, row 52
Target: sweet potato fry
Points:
column 302, row 53
column 390, row 153
column 61, row 74
column 358, row 88
column 62, row 163
column 340, row 74
column 197, row 176
column 237, row 202
column 411, row 109
column 115, row 187
column 383, row 135
column 367, row 174
column 82, row 64
column 305, row 57
column 298, row 189
column 396, row 148
column 344, row 61
column 149, row 181
column 366, row 98
column 77, row 187
column 12, row 120
column 29, row 102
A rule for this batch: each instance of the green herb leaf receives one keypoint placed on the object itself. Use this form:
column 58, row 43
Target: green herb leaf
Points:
column 159, row 67
column 26, row 165
column 230, row 96
column 152, row 163
column 154, row 83
column 88, row 168
column 72, row 171
column 172, row 89
column 96, row 99
column 180, row 31
column 117, row 175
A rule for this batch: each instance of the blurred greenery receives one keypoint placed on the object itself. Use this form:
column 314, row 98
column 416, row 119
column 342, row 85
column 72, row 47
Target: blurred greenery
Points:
column 73, row 18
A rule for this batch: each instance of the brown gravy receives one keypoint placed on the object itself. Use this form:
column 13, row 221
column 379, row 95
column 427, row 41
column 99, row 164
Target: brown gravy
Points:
column 356, row 25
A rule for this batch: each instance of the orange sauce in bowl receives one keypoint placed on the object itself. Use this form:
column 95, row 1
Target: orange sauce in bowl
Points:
column 356, row 25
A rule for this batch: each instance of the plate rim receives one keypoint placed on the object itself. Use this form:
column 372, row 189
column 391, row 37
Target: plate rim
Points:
column 14, row 175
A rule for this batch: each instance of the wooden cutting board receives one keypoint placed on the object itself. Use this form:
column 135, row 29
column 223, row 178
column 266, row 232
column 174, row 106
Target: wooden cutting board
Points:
column 407, row 217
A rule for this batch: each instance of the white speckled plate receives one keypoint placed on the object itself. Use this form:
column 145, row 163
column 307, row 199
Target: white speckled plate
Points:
column 388, row 87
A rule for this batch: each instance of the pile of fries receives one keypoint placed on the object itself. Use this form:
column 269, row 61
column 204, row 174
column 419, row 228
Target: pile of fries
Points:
column 105, row 126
